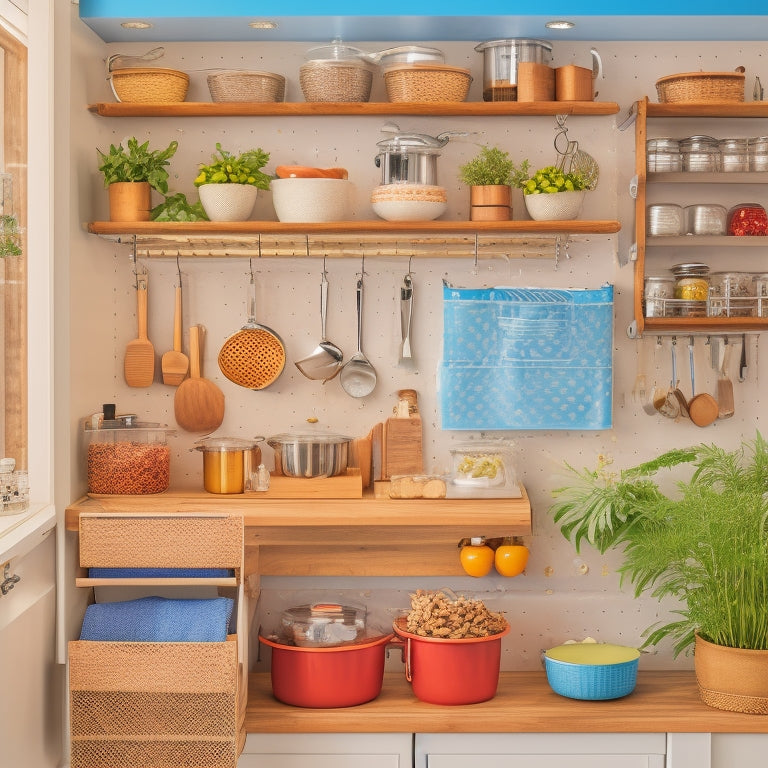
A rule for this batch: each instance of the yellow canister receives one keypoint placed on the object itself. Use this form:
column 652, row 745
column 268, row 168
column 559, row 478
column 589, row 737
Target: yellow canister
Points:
column 228, row 463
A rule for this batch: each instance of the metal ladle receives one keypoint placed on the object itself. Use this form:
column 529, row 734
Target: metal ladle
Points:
column 326, row 359
column 358, row 376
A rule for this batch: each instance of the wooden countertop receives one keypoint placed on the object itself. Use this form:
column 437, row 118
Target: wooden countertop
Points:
column 663, row 701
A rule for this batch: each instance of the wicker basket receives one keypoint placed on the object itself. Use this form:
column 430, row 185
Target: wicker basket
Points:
column 701, row 86
column 240, row 85
column 427, row 82
column 149, row 85
column 335, row 80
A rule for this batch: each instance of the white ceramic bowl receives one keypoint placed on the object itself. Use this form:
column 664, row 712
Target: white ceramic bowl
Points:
column 311, row 200
column 558, row 206
column 409, row 210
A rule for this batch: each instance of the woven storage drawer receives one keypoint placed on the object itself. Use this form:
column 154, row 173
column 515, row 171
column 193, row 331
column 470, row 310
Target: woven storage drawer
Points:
column 240, row 85
column 701, row 86
column 427, row 82
column 204, row 540
column 155, row 705
column 149, row 85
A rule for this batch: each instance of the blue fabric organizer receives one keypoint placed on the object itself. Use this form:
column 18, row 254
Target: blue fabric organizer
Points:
column 526, row 359
column 159, row 619
column 159, row 573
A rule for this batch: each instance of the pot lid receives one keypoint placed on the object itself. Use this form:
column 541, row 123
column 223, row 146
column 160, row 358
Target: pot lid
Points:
column 306, row 438
column 408, row 53
column 226, row 444
column 399, row 141
column 338, row 51
column 513, row 41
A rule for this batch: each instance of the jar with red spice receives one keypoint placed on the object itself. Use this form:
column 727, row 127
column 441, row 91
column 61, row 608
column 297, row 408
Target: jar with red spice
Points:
column 747, row 219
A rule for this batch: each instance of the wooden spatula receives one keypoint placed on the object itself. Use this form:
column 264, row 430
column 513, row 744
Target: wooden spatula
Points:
column 139, row 363
column 198, row 404
column 174, row 363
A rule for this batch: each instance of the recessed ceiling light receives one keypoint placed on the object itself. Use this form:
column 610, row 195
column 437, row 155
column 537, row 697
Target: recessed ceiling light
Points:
column 136, row 24
column 559, row 25
column 262, row 24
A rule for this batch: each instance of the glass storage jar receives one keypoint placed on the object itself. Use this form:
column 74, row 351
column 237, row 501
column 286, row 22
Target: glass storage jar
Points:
column 659, row 289
column 700, row 154
column 734, row 155
column 760, row 289
column 691, row 289
column 663, row 155
column 731, row 294
column 747, row 219
column 758, row 153
column 665, row 219
column 705, row 219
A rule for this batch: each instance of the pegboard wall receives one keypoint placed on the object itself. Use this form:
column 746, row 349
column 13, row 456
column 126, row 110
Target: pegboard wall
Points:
column 562, row 595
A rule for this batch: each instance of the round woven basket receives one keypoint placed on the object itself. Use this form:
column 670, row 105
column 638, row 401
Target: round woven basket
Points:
column 240, row 85
column 427, row 82
column 149, row 85
column 701, row 86
column 335, row 81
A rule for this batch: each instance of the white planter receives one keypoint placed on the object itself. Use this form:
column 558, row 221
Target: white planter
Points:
column 228, row 202
column 558, row 206
column 311, row 199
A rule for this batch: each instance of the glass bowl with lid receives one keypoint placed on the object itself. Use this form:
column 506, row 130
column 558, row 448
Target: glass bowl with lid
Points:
column 337, row 72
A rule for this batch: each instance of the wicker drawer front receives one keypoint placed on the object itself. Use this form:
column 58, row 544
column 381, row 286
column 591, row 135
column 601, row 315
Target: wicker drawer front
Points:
column 154, row 705
column 164, row 541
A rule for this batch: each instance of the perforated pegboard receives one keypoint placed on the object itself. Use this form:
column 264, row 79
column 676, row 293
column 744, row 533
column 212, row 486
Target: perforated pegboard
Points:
column 561, row 595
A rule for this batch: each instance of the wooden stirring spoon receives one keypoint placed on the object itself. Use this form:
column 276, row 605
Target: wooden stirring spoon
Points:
column 198, row 404
column 139, row 362
column 174, row 363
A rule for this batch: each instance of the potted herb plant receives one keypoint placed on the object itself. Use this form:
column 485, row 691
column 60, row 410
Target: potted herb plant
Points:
column 131, row 172
column 229, row 185
column 553, row 194
column 705, row 544
column 490, row 175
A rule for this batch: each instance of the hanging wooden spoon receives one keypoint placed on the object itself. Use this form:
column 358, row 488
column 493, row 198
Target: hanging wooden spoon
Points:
column 198, row 404
column 174, row 363
column 139, row 362
column 702, row 408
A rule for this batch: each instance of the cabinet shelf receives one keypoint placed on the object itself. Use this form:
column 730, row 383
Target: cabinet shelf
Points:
column 358, row 109
column 708, row 109
column 706, row 241
column 687, row 177
column 428, row 239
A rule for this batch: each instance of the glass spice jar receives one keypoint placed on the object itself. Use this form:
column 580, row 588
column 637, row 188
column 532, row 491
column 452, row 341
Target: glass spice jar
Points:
column 757, row 148
column 700, row 154
column 663, row 155
column 691, row 281
column 658, row 291
column 747, row 219
column 732, row 294
column 734, row 155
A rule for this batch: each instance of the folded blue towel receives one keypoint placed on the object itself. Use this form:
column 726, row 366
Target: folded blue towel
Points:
column 159, row 619
column 160, row 573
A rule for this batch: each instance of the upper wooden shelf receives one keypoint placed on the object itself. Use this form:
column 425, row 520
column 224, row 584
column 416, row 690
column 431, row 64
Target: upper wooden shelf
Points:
column 359, row 109
column 709, row 109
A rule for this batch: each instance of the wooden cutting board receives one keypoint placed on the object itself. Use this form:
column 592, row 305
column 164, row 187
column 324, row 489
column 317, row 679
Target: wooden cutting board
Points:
column 402, row 447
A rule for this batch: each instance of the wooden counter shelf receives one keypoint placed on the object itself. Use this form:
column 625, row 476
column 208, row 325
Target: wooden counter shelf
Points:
column 663, row 701
column 339, row 537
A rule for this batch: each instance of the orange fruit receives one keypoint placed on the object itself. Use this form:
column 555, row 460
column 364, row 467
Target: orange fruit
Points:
column 477, row 557
column 511, row 557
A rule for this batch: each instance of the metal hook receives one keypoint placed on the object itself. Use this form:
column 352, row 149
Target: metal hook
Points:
column 178, row 268
column 410, row 260
column 475, row 266
column 306, row 244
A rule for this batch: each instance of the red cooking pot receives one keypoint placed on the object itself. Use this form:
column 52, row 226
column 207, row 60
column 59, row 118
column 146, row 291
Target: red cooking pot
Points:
column 328, row 677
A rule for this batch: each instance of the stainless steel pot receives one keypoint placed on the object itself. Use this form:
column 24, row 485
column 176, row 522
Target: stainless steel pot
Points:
column 410, row 157
column 500, row 60
column 310, row 455
column 228, row 463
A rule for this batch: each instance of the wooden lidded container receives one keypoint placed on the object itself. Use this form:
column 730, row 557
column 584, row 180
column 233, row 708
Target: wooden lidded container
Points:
column 535, row 82
column 573, row 83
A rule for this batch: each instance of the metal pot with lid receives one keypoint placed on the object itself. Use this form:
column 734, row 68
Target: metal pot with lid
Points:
column 228, row 462
column 410, row 158
column 500, row 60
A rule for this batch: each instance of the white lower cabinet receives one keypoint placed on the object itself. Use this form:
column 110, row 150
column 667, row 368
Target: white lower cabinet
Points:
column 540, row 750
column 327, row 750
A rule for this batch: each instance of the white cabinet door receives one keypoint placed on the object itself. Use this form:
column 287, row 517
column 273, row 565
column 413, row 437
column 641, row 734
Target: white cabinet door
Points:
column 327, row 750
column 543, row 761
column 32, row 683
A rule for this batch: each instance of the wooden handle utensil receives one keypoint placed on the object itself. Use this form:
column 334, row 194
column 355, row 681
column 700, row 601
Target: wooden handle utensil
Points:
column 139, row 362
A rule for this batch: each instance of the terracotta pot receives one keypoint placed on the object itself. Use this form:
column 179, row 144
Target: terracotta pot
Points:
column 734, row 679
column 130, row 201
column 492, row 202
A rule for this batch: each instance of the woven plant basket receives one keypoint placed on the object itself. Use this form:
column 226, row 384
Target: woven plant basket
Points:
column 335, row 81
column 150, row 85
column 701, row 86
column 238, row 85
column 733, row 679
column 427, row 82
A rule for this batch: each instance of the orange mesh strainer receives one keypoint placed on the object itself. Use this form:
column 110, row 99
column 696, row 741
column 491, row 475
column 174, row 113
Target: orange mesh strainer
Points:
column 254, row 356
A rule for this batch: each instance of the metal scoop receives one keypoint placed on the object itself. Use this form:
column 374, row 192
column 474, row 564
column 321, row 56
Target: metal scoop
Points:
column 325, row 361
column 358, row 377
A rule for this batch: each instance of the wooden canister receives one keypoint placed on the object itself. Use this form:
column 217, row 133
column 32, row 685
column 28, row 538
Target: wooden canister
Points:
column 573, row 83
column 492, row 202
column 535, row 82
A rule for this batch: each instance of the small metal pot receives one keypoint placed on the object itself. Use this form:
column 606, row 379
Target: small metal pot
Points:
column 228, row 463
column 310, row 455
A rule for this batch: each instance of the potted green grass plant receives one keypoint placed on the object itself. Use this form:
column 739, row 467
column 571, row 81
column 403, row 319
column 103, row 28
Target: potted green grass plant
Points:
column 228, row 186
column 705, row 544
column 490, row 175
column 131, row 171
column 554, row 194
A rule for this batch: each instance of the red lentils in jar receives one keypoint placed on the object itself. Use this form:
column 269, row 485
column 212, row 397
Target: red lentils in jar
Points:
column 747, row 219
column 128, row 468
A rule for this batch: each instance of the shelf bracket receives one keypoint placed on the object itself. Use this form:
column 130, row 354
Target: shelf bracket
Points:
column 629, row 118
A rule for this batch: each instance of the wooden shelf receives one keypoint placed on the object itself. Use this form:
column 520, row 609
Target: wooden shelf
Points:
column 357, row 109
column 714, row 325
column 663, row 701
column 698, row 177
column 706, row 241
column 709, row 109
